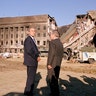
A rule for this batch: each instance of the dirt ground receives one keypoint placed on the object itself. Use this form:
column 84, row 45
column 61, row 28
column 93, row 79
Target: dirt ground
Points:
column 76, row 79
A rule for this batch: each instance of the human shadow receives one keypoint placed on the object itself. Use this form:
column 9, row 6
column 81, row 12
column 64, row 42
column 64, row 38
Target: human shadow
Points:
column 83, row 86
column 14, row 94
column 37, row 79
column 42, row 91
column 77, row 87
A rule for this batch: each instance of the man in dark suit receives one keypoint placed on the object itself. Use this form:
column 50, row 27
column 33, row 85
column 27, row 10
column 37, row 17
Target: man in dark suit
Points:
column 55, row 55
column 31, row 58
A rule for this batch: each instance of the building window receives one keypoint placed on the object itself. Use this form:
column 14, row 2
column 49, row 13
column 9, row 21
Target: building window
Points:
column 38, row 34
column 27, row 28
column 22, row 28
column 16, row 42
column 1, row 42
column 2, row 36
column 11, row 35
column 6, row 36
column 21, row 35
column 6, row 42
column 44, row 42
column 44, row 34
column 38, row 27
column 38, row 42
column 15, row 50
column 21, row 51
column 11, row 42
column 11, row 28
column 6, row 29
column 16, row 35
column 22, row 42
column 16, row 29
column 1, row 29
column 44, row 27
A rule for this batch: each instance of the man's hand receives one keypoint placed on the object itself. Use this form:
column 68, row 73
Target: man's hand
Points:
column 49, row 67
column 38, row 59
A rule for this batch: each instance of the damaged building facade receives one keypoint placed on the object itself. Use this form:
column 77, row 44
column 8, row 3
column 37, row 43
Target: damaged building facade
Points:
column 13, row 31
column 81, row 32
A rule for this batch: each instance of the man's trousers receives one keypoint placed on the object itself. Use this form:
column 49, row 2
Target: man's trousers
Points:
column 31, row 73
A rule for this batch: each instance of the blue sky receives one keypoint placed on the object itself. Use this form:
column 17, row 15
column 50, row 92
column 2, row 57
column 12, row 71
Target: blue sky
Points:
column 64, row 11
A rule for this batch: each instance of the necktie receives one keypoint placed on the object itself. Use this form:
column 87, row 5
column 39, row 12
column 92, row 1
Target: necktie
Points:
column 34, row 40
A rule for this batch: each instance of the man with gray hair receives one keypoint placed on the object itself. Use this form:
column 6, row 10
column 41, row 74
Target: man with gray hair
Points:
column 54, row 60
column 55, row 32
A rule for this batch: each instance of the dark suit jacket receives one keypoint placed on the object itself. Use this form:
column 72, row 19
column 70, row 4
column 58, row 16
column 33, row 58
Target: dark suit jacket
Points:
column 55, row 53
column 30, row 52
column 54, row 56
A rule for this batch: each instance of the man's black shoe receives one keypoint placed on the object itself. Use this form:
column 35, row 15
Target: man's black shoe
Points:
column 26, row 93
